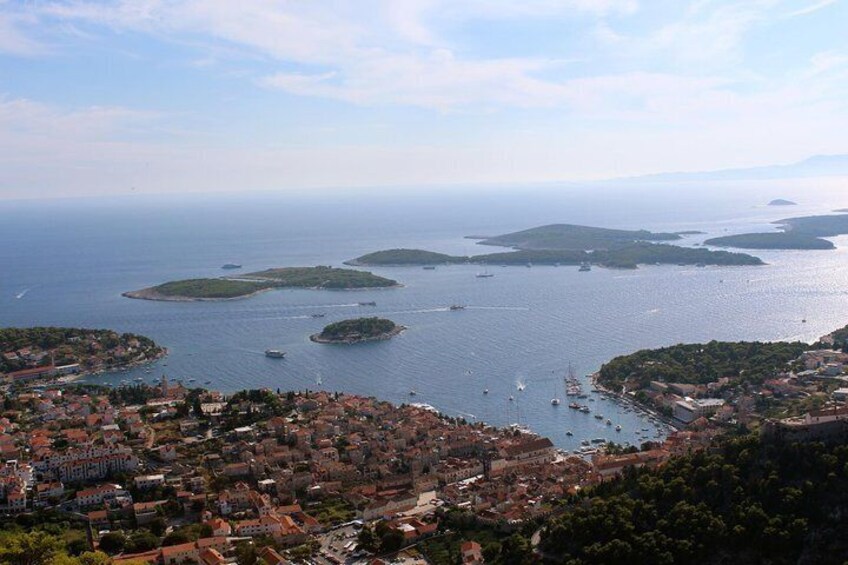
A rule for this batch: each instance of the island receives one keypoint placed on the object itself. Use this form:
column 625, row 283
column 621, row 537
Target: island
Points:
column 574, row 237
column 358, row 330
column 626, row 257
column 782, row 202
column 797, row 233
column 771, row 240
column 47, row 352
column 243, row 286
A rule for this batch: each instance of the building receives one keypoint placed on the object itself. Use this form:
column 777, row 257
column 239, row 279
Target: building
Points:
column 472, row 553
column 145, row 482
column 689, row 409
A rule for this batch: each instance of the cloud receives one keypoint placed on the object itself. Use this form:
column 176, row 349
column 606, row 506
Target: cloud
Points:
column 815, row 7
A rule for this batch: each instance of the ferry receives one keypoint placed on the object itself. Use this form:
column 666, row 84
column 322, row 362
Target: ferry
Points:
column 275, row 353
column 230, row 266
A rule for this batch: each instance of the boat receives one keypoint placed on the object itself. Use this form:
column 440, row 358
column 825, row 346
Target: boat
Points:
column 511, row 398
column 455, row 307
column 584, row 267
column 609, row 422
column 275, row 353
column 618, row 428
column 412, row 393
column 230, row 266
column 585, row 442
column 574, row 406
column 318, row 315
column 485, row 274
column 700, row 265
column 555, row 401
column 191, row 380
column 485, row 391
column 599, row 416
column 369, row 303
column 585, row 409
column 429, row 268
column 599, row 440
column 569, row 433
column 207, row 382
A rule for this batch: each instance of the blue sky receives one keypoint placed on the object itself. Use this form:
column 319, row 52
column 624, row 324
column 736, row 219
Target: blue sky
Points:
column 215, row 95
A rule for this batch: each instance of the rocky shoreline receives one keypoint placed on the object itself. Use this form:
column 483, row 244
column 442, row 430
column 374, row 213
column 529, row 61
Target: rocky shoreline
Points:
column 316, row 338
column 151, row 294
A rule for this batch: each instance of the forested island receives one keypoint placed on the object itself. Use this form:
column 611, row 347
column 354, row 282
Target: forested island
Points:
column 782, row 202
column 574, row 237
column 50, row 351
column 228, row 288
column 358, row 330
column 798, row 233
column 773, row 240
column 625, row 257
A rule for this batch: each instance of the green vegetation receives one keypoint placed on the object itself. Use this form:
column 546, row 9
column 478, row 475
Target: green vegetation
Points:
column 67, row 346
column 749, row 362
column 45, row 538
column 625, row 257
column 319, row 277
column 742, row 502
column 332, row 511
column 405, row 257
column 358, row 329
column 775, row 240
column 498, row 548
column 799, row 233
column 569, row 236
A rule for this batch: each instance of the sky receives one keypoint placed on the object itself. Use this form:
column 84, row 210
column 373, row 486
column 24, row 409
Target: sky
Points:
column 173, row 96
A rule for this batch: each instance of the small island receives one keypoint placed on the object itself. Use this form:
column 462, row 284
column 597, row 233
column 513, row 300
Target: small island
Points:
column 358, row 330
column 574, row 237
column 47, row 352
column 782, row 202
column 243, row 286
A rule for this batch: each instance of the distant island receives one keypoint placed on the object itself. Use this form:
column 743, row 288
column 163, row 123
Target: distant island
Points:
column 45, row 352
column 243, row 286
column 358, row 330
column 574, row 237
column 782, row 202
column 626, row 257
column 798, row 233
column 772, row 240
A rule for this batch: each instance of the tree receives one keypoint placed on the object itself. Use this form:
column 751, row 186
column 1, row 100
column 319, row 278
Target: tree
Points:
column 36, row 548
column 113, row 542
column 391, row 541
column 366, row 539
column 94, row 558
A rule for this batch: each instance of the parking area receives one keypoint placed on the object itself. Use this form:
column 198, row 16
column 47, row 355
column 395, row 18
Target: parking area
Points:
column 339, row 545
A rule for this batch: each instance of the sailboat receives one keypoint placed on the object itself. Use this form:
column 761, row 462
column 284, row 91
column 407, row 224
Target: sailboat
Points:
column 485, row 274
column 555, row 401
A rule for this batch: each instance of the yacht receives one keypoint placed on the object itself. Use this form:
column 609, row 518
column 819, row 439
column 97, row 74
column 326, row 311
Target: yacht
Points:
column 485, row 274
column 618, row 428
column 275, row 353
column 585, row 267
column 485, row 391
column 609, row 422
column 585, row 409
column 574, row 406
column 555, row 401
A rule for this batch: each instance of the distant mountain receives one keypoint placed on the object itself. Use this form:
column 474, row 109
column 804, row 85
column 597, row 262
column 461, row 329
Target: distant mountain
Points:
column 816, row 166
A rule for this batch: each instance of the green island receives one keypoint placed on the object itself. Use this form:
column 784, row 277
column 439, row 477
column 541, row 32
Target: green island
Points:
column 358, row 330
column 626, row 257
column 229, row 288
column 782, row 202
column 798, row 233
column 574, row 237
column 773, row 240
column 45, row 352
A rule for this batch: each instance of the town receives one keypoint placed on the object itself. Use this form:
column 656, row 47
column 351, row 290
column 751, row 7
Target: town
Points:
column 167, row 474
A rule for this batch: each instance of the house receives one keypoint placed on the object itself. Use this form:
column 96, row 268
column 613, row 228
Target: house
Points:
column 472, row 553
column 220, row 527
column 270, row 556
column 144, row 482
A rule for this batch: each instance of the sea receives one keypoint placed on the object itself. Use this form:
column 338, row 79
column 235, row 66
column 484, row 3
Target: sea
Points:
column 65, row 262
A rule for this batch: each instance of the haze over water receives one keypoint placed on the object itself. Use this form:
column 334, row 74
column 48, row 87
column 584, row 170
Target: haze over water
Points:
column 67, row 262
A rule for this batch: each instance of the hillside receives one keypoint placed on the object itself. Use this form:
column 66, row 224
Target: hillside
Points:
column 776, row 240
column 574, row 237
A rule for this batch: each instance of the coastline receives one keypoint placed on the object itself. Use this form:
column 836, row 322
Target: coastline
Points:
column 316, row 338
column 632, row 402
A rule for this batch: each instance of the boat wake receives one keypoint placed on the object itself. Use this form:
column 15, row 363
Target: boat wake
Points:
column 22, row 293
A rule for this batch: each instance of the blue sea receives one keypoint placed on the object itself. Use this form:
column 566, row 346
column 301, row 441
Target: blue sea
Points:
column 66, row 262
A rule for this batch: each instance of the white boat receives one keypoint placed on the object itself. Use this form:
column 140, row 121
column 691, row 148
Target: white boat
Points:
column 485, row 391
column 618, row 428
column 555, row 402
column 275, row 353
